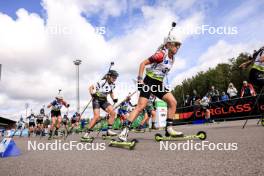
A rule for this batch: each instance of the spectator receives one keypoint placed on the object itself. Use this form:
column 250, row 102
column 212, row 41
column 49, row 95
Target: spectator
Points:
column 195, row 99
column 224, row 97
column 205, row 107
column 187, row 101
column 232, row 91
column 214, row 94
column 247, row 90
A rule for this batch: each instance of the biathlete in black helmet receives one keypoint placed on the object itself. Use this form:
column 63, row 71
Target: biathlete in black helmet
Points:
column 99, row 92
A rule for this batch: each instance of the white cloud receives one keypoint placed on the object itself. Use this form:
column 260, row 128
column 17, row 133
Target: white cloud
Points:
column 37, row 54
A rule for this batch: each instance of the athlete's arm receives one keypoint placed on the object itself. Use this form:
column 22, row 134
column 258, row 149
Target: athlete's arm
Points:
column 65, row 104
column 51, row 104
column 115, row 100
column 245, row 64
column 142, row 67
column 112, row 95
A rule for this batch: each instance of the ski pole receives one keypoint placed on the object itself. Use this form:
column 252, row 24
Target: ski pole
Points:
column 86, row 106
column 125, row 99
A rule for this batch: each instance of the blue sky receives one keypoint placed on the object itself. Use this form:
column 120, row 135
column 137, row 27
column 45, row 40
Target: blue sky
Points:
column 215, row 15
column 130, row 36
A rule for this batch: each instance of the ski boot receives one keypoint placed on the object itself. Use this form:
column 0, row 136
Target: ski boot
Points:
column 87, row 137
column 170, row 132
column 172, row 135
column 140, row 129
column 109, row 134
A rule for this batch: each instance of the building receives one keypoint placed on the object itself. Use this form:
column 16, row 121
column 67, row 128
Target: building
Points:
column 7, row 123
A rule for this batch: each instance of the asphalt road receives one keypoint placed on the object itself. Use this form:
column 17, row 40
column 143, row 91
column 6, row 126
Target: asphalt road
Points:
column 147, row 158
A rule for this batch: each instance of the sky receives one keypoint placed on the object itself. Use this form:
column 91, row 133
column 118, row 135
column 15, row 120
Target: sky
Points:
column 40, row 39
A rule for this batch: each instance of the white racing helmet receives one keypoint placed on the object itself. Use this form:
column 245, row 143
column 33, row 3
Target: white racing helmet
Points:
column 172, row 39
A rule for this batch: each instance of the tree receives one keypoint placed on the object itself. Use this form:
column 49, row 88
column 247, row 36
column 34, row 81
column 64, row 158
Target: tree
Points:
column 220, row 77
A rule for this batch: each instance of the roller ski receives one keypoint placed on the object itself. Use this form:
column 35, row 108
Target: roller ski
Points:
column 87, row 138
column 122, row 141
column 123, row 144
column 172, row 135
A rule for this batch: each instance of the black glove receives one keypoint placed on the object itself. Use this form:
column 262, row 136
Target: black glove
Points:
column 68, row 105
column 115, row 100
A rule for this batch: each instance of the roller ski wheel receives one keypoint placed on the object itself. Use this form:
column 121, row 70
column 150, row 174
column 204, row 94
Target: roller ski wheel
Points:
column 200, row 135
column 121, row 144
column 88, row 140
column 158, row 137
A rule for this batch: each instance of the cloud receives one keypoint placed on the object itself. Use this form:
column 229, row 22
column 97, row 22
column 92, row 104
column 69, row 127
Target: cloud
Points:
column 245, row 10
column 37, row 54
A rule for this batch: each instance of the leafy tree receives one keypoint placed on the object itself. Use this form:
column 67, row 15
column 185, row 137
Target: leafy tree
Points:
column 220, row 77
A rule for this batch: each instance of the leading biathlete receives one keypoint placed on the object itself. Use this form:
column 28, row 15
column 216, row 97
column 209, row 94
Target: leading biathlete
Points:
column 160, row 64
column 99, row 92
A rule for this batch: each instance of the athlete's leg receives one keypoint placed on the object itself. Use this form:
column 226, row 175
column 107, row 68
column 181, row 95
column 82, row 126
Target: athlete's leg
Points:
column 112, row 113
column 59, row 121
column 172, row 103
column 53, row 122
column 142, row 103
column 110, row 110
column 96, row 117
column 145, row 119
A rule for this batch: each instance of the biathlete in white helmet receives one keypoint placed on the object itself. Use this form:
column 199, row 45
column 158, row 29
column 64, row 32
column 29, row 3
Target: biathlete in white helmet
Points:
column 160, row 64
